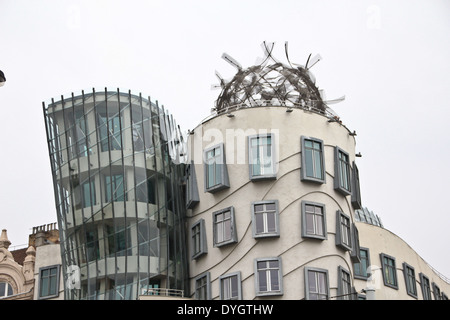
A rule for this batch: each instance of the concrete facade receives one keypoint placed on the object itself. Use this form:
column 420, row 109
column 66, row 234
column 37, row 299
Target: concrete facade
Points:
column 295, row 251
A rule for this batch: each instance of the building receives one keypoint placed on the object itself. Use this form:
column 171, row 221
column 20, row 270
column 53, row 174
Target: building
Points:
column 117, row 174
column 274, row 200
column 32, row 272
column 390, row 267
column 260, row 201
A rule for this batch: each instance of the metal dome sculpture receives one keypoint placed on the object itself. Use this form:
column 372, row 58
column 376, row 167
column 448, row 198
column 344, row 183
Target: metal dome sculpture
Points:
column 271, row 83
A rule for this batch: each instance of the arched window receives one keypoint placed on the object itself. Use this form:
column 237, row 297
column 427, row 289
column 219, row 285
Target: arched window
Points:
column 5, row 289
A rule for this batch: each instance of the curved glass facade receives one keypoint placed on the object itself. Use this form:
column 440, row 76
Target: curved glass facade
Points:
column 118, row 176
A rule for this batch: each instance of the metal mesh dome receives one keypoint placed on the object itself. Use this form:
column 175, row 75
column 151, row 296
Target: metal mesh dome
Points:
column 275, row 84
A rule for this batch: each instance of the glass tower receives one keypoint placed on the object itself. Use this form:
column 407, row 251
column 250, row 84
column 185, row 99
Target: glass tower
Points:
column 117, row 165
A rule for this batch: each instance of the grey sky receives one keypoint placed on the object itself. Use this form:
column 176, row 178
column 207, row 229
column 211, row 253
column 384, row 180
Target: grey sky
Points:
column 391, row 59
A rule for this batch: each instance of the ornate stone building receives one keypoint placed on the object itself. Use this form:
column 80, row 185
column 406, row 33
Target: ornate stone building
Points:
column 16, row 271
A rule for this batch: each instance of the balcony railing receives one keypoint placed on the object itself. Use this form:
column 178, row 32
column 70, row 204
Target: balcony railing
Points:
column 163, row 292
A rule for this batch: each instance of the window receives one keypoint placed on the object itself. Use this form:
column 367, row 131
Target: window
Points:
column 230, row 286
column 355, row 254
column 224, row 227
column 356, row 190
column 110, row 123
column 425, row 285
column 313, row 165
column 49, row 282
column 361, row 268
column 88, row 194
column 313, row 220
column 203, row 287
column 216, row 174
column 198, row 238
column 268, row 278
column 114, row 188
column 343, row 235
column 261, row 156
column 5, row 289
column 342, row 172
column 410, row 279
column 436, row 291
column 316, row 284
column 389, row 271
column 265, row 221
column 344, row 284
column 192, row 196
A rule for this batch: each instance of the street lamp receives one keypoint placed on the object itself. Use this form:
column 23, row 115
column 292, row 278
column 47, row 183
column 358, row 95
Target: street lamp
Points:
column 2, row 78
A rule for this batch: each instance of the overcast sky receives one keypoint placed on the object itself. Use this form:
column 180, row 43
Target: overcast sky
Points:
column 391, row 59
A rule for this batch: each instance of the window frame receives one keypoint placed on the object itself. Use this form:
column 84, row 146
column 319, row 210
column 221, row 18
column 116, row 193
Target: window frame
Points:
column 239, row 285
column 339, row 236
column 207, row 277
column 304, row 228
column 265, row 234
column 355, row 187
column 394, row 285
column 114, row 195
column 436, row 291
column 91, row 200
column 233, row 233
column 426, row 286
column 338, row 174
column 9, row 290
column 341, row 285
column 358, row 275
column 224, row 181
column 260, row 293
column 270, row 176
column 192, row 195
column 316, row 270
column 303, row 174
column 203, row 248
column 410, row 291
column 57, row 281
column 355, row 253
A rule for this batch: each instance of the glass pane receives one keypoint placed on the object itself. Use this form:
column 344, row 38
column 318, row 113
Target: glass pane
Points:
column 2, row 289
column 218, row 174
column 262, row 281
column 270, row 207
column 234, row 287
column 259, row 207
column 44, row 287
column 274, row 281
column 210, row 176
column 309, row 223
column 318, row 165
column 273, row 264
column 52, row 285
column 308, row 143
column 219, row 217
column 259, row 223
column 311, row 282
column 309, row 163
column 316, row 145
column 226, row 288
column 322, row 282
column 227, row 231
column 271, row 227
column 319, row 225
